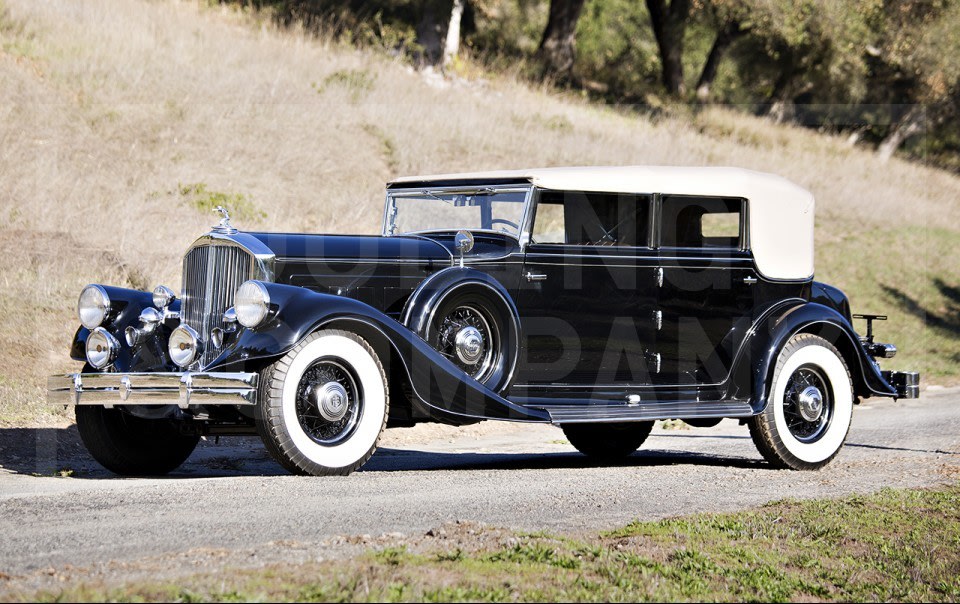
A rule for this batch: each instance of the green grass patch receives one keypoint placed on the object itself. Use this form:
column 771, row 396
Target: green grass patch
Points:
column 895, row 545
column 356, row 82
column 908, row 273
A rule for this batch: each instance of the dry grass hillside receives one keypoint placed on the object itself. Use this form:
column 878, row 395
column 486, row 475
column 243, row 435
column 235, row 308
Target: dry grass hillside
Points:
column 123, row 122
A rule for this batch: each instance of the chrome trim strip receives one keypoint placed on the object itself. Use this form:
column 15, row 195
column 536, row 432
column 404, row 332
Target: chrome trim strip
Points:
column 378, row 261
column 413, row 191
column 641, row 411
column 181, row 389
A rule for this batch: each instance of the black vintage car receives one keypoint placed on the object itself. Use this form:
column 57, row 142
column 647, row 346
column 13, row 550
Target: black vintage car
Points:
column 596, row 299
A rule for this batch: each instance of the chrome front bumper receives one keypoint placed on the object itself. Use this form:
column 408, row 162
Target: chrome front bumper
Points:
column 181, row 389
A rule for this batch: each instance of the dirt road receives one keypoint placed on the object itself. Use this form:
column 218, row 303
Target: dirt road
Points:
column 231, row 499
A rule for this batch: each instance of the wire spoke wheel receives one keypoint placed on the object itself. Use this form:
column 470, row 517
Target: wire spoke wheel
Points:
column 323, row 405
column 808, row 405
column 328, row 402
column 470, row 339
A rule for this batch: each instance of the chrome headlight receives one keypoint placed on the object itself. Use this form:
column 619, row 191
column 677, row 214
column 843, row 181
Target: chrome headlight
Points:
column 163, row 296
column 252, row 303
column 93, row 306
column 184, row 345
column 102, row 348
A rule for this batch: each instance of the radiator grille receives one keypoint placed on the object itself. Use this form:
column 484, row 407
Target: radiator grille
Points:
column 211, row 276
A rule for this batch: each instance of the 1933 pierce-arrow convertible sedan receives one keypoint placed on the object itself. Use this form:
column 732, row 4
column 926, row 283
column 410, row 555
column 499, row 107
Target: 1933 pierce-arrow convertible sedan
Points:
column 596, row 299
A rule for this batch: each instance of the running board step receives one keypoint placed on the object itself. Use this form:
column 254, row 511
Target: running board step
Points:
column 621, row 412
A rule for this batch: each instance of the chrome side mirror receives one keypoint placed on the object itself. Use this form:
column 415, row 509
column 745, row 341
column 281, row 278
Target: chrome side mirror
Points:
column 464, row 243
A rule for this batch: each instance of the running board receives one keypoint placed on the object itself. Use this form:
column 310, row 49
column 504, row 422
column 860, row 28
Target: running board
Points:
column 623, row 412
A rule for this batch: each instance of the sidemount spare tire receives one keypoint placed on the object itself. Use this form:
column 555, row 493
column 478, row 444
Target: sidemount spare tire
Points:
column 473, row 326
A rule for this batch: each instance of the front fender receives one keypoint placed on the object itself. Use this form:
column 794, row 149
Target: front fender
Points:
column 125, row 308
column 297, row 312
column 422, row 302
column 769, row 337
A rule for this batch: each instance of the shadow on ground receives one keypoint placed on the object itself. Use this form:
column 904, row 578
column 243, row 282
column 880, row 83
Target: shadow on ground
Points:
column 406, row 460
column 946, row 321
column 60, row 452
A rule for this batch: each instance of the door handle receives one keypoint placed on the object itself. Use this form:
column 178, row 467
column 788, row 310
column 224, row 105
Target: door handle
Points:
column 536, row 277
column 750, row 280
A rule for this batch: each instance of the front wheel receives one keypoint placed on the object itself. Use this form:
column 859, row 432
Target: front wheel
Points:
column 324, row 404
column 607, row 442
column 810, row 406
column 133, row 446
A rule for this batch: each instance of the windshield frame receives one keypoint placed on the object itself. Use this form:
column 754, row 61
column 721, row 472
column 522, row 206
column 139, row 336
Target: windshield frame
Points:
column 523, row 236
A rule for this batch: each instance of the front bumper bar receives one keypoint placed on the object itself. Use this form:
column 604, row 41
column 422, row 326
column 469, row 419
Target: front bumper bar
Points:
column 181, row 389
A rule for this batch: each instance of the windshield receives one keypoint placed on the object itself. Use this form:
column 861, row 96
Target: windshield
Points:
column 486, row 209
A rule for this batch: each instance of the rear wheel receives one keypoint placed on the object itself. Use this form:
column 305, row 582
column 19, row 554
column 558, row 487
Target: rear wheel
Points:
column 607, row 441
column 810, row 406
column 324, row 404
column 133, row 446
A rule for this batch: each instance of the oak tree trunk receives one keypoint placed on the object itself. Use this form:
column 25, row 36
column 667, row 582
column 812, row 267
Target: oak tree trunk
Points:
column 558, row 46
column 428, row 34
column 452, row 44
column 669, row 24
column 725, row 37
column 912, row 123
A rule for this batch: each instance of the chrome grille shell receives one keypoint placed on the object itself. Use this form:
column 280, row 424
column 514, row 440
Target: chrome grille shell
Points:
column 213, row 268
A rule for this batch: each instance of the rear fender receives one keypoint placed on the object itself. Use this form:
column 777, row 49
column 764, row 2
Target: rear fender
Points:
column 755, row 367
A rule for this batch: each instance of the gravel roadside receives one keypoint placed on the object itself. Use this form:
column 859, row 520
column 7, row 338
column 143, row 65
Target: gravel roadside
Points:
column 231, row 506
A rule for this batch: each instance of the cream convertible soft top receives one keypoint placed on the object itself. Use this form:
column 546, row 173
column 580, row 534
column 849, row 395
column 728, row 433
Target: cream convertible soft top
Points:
column 780, row 212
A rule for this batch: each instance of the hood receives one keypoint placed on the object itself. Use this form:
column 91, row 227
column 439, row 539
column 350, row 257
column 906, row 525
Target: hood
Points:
column 331, row 248
column 435, row 249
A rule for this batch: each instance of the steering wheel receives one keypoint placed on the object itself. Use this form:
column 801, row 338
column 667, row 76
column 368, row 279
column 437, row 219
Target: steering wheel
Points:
column 516, row 226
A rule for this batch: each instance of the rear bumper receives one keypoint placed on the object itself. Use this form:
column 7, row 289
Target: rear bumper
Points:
column 182, row 389
column 907, row 383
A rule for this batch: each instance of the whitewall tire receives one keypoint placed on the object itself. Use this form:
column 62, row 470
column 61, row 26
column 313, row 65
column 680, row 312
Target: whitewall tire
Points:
column 324, row 405
column 809, row 407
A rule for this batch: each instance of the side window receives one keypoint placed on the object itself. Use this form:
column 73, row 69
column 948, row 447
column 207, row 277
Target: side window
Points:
column 588, row 218
column 701, row 222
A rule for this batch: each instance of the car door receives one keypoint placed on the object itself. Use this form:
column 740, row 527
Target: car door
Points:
column 708, row 290
column 587, row 293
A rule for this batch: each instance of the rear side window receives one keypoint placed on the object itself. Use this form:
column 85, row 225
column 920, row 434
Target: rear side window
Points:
column 588, row 218
column 702, row 222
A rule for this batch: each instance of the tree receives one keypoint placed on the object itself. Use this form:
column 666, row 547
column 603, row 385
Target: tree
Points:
column 727, row 35
column 451, row 45
column 669, row 23
column 557, row 48
column 439, row 44
column 916, row 70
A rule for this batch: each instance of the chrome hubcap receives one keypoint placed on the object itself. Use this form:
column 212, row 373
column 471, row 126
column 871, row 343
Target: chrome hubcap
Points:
column 330, row 399
column 468, row 338
column 469, row 345
column 810, row 402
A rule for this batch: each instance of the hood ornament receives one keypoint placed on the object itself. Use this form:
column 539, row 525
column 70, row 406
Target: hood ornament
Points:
column 224, row 226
